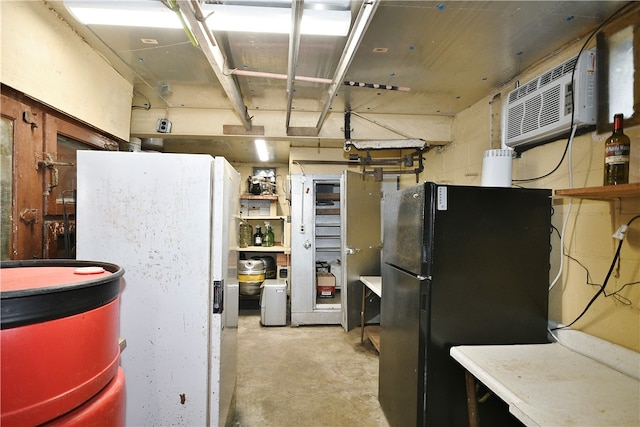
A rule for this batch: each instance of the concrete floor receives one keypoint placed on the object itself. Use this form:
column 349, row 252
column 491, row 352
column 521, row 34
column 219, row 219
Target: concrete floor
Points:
column 304, row 376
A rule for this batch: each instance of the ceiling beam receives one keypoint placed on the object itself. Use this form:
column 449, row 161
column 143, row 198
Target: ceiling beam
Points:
column 364, row 18
column 192, row 12
column 214, row 124
column 297, row 7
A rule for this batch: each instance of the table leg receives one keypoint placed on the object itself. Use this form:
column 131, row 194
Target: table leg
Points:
column 364, row 288
column 472, row 401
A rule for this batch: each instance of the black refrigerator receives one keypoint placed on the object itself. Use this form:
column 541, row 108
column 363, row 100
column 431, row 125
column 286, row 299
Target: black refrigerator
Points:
column 461, row 266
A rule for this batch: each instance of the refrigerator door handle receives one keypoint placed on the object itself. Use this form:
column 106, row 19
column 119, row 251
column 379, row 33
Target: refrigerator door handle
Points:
column 218, row 296
column 351, row 251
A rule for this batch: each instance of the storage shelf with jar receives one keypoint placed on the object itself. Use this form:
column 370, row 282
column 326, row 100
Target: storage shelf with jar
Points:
column 257, row 210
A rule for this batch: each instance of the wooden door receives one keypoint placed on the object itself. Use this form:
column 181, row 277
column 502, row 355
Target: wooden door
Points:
column 38, row 148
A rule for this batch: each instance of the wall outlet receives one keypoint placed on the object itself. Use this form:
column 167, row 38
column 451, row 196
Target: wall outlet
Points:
column 163, row 126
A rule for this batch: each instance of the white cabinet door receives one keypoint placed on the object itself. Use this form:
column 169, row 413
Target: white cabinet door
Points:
column 315, row 237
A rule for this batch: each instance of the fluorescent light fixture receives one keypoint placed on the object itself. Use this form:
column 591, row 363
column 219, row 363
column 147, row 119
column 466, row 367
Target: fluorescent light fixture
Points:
column 261, row 148
column 255, row 19
column 276, row 20
column 149, row 13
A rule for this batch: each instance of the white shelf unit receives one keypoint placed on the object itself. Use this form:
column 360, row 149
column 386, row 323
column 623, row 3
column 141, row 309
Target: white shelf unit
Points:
column 280, row 230
column 250, row 204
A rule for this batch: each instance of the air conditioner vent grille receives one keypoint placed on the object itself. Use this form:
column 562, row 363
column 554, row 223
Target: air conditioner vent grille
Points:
column 540, row 110
column 523, row 91
column 545, row 79
column 557, row 72
column 569, row 65
column 514, row 119
column 550, row 99
column 531, row 109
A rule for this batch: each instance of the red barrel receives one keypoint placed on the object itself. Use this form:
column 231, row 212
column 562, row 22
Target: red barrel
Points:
column 105, row 409
column 59, row 336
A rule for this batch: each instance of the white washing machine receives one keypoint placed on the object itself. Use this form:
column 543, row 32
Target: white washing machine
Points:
column 273, row 302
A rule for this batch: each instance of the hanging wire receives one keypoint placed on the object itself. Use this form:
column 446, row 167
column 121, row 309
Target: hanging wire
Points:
column 589, row 280
column 604, row 284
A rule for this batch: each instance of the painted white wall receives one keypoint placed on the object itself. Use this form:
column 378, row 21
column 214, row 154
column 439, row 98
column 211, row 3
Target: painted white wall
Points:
column 43, row 58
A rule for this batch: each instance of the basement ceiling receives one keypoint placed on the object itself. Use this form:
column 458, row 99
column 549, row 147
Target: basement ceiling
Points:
column 444, row 56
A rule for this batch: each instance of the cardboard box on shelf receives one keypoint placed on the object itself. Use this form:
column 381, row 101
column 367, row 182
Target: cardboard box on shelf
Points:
column 325, row 285
column 281, row 259
column 256, row 208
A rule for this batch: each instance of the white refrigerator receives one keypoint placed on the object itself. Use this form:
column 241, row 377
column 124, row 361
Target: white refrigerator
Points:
column 171, row 221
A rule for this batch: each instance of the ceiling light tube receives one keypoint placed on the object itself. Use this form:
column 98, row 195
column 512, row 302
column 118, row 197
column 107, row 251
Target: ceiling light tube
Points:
column 256, row 19
column 261, row 148
column 276, row 20
column 143, row 13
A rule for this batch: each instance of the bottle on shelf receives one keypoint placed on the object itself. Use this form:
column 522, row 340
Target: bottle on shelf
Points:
column 257, row 236
column 616, row 154
column 245, row 236
column 268, row 238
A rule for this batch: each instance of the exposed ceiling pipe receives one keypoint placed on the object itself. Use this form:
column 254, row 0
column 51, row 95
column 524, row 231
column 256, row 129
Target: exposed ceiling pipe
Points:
column 297, row 7
column 210, row 47
column 297, row 78
column 364, row 18
column 279, row 76
column 378, row 171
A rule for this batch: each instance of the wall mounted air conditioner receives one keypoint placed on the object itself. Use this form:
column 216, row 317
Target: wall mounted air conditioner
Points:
column 540, row 110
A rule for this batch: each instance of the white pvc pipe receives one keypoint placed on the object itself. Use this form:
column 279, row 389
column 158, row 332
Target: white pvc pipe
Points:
column 278, row 76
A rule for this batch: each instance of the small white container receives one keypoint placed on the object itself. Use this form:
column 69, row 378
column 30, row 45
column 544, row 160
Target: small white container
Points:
column 496, row 168
column 273, row 303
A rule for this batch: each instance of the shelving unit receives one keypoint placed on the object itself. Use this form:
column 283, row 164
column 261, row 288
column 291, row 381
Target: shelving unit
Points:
column 603, row 192
column 327, row 225
column 255, row 210
column 278, row 222
column 327, row 228
column 281, row 231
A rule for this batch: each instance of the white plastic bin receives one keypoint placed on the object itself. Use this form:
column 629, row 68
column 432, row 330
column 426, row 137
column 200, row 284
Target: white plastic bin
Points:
column 273, row 303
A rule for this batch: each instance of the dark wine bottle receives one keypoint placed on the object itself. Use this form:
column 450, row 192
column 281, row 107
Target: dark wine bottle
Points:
column 257, row 237
column 616, row 154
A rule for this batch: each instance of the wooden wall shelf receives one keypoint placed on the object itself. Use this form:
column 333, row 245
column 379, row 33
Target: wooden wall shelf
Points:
column 258, row 197
column 604, row 192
